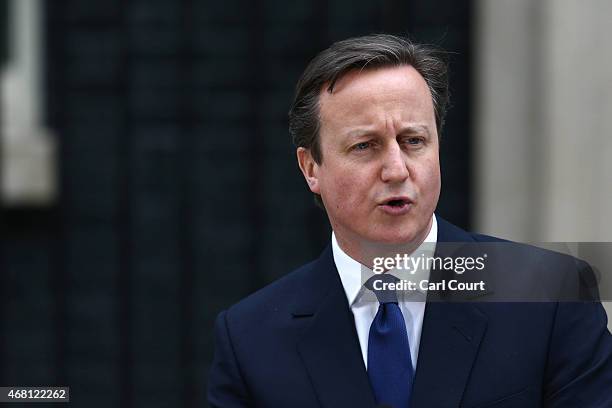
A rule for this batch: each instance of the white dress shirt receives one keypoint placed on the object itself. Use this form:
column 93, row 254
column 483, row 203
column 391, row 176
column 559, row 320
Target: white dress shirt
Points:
column 412, row 304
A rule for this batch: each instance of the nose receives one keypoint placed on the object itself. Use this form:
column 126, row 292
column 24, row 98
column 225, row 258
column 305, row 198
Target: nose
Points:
column 394, row 167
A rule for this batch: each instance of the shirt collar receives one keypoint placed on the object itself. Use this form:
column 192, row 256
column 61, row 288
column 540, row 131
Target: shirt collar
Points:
column 350, row 270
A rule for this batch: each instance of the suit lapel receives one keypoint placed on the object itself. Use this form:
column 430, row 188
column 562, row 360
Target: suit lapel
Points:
column 449, row 344
column 330, row 348
column 451, row 336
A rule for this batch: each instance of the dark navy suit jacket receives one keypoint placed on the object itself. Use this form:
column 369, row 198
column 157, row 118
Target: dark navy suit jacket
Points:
column 293, row 344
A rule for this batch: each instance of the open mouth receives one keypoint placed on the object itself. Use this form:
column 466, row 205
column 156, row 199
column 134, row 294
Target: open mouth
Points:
column 397, row 203
column 396, row 206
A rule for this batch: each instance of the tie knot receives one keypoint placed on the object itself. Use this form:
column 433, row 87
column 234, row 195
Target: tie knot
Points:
column 380, row 285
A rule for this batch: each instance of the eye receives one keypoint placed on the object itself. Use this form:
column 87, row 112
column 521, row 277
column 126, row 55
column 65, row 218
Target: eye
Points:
column 413, row 141
column 362, row 146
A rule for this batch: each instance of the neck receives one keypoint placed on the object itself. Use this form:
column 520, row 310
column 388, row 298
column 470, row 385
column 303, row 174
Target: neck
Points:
column 365, row 251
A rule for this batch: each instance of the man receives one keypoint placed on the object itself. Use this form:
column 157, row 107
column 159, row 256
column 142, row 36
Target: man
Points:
column 366, row 120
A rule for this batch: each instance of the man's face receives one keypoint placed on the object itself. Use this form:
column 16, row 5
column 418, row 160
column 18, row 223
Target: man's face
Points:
column 380, row 174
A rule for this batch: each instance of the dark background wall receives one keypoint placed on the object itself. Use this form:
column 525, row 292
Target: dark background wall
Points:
column 179, row 189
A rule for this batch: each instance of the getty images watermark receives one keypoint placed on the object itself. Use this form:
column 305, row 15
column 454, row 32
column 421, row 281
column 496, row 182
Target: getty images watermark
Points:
column 414, row 263
column 495, row 272
column 401, row 264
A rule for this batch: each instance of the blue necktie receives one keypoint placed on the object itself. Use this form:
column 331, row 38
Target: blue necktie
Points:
column 389, row 362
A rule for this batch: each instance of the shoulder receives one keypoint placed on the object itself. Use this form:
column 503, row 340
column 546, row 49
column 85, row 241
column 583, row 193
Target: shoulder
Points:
column 300, row 290
column 519, row 251
column 528, row 271
column 275, row 295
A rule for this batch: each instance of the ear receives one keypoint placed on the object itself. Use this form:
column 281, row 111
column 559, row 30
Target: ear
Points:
column 310, row 169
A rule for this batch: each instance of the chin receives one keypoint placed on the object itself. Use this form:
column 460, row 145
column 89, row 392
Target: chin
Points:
column 401, row 236
column 401, row 233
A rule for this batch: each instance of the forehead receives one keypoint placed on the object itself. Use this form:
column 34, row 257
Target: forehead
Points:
column 367, row 93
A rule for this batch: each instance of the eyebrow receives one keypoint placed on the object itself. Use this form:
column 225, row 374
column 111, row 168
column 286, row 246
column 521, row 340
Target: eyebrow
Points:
column 406, row 130
column 414, row 129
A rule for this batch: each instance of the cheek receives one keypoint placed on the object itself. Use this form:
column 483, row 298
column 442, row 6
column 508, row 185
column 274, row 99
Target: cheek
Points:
column 429, row 177
column 345, row 193
column 346, row 190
